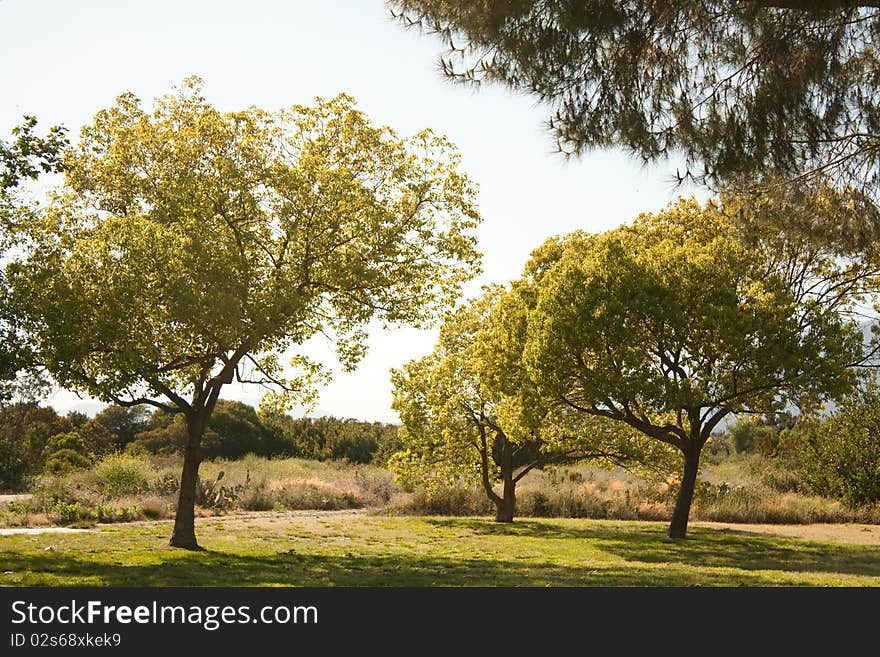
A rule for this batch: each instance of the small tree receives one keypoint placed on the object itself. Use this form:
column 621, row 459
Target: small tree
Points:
column 673, row 323
column 468, row 414
column 124, row 423
column 840, row 455
column 190, row 248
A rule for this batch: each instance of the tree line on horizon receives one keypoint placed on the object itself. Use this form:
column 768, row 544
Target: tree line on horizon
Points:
column 36, row 439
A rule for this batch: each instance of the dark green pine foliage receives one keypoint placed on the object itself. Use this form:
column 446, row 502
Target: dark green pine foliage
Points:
column 739, row 88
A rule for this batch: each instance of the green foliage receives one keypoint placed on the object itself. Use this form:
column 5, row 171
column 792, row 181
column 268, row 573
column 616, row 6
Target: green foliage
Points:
column 840, row 455
column 123, row 423
column 22, row 159
column 62, row 511
column 329, row 438
column 28, row 155
column 738, row 88
column 16, row 514
column 25, row 430
column 121, row 475
column 192, row 220
column 106, row 512
column 614, row 320
column 747, row 436
column 65, row 460
column 673, row 322
column 70, row 440
column 236, row 430
column 165, row 436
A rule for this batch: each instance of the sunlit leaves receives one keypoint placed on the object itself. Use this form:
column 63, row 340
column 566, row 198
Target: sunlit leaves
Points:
column 675, row 321
column 187, row 241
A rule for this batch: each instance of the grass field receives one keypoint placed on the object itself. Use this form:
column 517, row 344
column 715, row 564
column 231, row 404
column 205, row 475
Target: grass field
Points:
column 355, row 549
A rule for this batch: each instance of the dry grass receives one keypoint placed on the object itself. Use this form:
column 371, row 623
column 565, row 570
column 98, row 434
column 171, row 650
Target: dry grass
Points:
column 750, row 489
column 127, row 488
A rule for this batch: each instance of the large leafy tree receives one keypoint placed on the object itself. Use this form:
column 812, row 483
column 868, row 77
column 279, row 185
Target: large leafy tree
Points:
column 738, row 87
column 671, row 324
column 190, row 248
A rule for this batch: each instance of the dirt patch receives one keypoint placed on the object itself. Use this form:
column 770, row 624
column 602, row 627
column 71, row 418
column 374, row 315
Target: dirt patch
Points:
column 9, row 531
column 18, row 497
column 251, row 518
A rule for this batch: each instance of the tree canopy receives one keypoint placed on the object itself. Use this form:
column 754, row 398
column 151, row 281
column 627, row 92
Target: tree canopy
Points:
column 682, row 318
column 739, row 88
column 191, row 247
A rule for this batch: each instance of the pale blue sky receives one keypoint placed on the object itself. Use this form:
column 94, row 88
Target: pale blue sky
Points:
column 62, row 61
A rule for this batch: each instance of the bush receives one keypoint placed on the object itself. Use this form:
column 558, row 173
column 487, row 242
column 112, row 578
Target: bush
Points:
column 155, row 508
column 61, row 511
column 70, row 440
column 122, row 475
column 165, row 439
column 452, row 501
column 840, row 456
column 167, row 483
column 104, row 512
column 314, row 494
column 24, row 431
column 747, row 436
column 16, row 514
column 65, row 461
column 257, row 498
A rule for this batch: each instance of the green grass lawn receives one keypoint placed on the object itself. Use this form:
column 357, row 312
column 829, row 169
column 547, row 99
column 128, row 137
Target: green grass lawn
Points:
column 360, row 550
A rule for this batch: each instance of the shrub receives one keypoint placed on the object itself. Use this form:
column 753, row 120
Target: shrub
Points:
column 747, row 436
column 64, row 461
column 122, row 475
column 167, row 483
column 104, row 512
column 16, row 514
column 377, row 485
column 452, row 501
column 840, row 456
column 61, row 511
column 165, row 439
column 155, row 508
column 314, row 494
column 256, row 498
column 70, row 440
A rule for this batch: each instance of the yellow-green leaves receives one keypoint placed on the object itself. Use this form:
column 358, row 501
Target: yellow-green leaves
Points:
column 675, row 319
column 187, row 240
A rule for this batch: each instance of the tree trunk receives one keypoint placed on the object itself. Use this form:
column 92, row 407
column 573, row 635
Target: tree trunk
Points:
column 678, row 526
column 506, row 505
column 184, row 535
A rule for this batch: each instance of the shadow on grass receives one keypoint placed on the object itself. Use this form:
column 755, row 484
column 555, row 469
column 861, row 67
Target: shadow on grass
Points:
column 647, row 558
column 210, row 568
column 704, row 547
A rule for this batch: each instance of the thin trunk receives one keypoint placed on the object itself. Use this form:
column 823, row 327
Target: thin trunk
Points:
column 506, row 505
column 679, row 524
column 184, row 535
